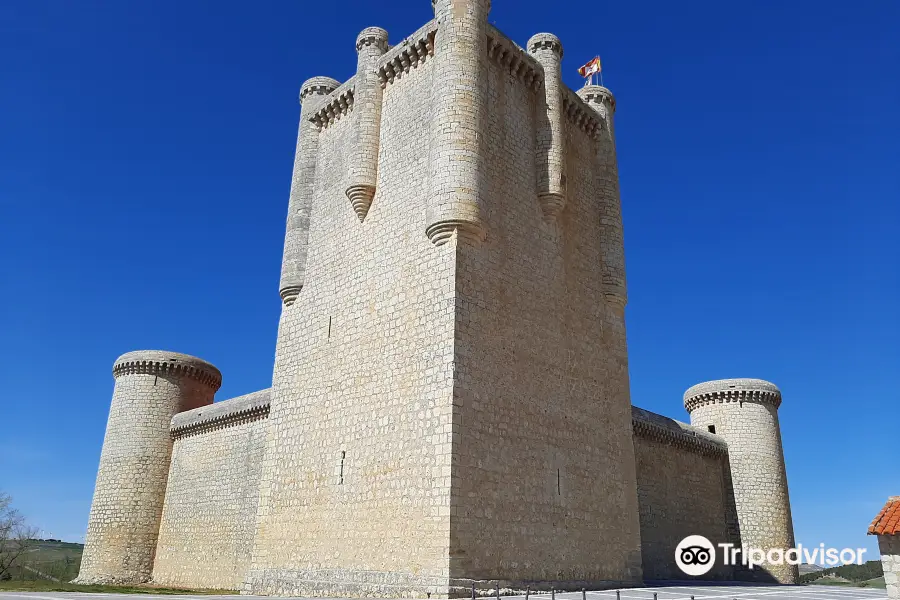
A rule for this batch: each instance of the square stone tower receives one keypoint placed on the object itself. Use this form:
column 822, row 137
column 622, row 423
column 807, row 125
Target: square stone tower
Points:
column 450, row 396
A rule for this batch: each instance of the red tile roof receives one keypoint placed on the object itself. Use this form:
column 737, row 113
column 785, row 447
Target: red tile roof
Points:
column 888, row 520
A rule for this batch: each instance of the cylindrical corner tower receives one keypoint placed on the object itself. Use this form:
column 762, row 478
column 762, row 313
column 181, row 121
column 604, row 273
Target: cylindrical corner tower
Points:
column 151, row 387
column 745, row 413
column 459, row 96
column 602, row 101
column 371, row 44
column 550, row 144
column 296, row 237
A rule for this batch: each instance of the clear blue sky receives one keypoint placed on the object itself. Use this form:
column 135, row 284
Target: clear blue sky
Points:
column 145, row 162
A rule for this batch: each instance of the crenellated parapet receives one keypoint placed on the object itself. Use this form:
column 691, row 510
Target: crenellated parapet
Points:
column 550, row 142
column 156, row 362
column 241, row 409
column 313, row 93
column 732, row 390
column 514, row 59
column 335, row 105
column 676, row 434
column 601, row 101
column 581, row 114
column 407, row 55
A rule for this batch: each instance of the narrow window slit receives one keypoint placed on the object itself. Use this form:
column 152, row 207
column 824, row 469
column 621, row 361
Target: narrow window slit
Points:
column 558, row 489
column 343, row 456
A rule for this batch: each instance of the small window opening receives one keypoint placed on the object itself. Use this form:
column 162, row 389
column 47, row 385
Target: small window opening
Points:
column 329, row 328
column 712, row 428
column 558, row 488
column 343, row 456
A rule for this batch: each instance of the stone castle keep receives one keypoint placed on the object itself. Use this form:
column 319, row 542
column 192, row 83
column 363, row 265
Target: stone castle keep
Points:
column 450, row 397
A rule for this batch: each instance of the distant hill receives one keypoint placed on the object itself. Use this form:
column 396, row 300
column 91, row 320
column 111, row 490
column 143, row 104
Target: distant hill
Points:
column 856, row 574
column 52, row 560
column 805, row 568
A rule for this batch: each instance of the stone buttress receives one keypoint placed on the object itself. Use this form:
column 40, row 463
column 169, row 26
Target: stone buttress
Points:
column 151, row 387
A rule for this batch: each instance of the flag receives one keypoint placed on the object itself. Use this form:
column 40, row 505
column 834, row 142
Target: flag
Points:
column 591, row 68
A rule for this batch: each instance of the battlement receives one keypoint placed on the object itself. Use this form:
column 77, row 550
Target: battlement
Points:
column 321, row 86
column 222, row 414
column 408, row 54
column 335, row 105
column 372, row 36
column 674, row 433
column 545, row 40
column 521, row 65
column 161, row 362
column 732, row 390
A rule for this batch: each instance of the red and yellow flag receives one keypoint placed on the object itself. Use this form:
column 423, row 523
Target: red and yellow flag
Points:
column 592, row 68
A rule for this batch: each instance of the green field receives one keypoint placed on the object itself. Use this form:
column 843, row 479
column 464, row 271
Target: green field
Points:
column 48, row 560
column 49, row 565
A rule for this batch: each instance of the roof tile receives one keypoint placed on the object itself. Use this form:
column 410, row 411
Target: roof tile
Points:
column 888, row 520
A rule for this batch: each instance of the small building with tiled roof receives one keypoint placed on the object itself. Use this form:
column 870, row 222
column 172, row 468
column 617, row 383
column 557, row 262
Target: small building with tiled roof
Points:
column 887, row 527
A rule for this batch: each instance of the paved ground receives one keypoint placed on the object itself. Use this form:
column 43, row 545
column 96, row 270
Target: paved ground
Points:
column 686, row 592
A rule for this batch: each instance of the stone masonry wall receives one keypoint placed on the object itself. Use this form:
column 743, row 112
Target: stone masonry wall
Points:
column 889, row 545
column 544, row 480
column 209, row 516
column 681, row 491
column 355, row 492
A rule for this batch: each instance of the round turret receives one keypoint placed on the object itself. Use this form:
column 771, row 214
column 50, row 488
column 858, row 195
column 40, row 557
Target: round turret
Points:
column 615, row 288
column 545, row 41
column 550, row 156
column 600, row 99
column 321, row 86
column 372, row 36
column 371, row 44
column 745, row 413
column 293, row 261
column 151, row 387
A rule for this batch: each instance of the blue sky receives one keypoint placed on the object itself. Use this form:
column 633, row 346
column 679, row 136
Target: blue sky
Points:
column 145, row 160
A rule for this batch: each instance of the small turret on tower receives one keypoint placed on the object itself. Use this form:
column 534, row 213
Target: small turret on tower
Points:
column 293, row 263
column 371, row 44
column 152, row 386
column 459, row 95
column 745, row 413
column 602, row 101
column 550, row 144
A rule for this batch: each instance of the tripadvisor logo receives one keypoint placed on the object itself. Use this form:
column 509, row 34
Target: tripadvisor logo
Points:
column 695, row 555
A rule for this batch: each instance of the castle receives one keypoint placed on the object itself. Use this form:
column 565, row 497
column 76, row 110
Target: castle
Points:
column 450, row 398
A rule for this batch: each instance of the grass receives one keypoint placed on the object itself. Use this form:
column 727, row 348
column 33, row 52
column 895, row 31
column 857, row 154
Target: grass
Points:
column 62, row 561
column 832, row 581
column 42, row 585
column 878, row 582
column 45, row 559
